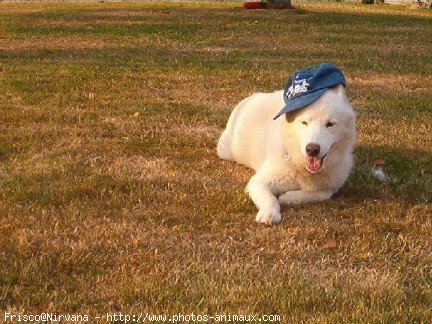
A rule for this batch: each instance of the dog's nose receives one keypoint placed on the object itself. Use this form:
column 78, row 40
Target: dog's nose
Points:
column 312, row 149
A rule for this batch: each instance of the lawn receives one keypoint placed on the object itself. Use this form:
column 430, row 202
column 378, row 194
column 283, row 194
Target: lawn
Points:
column 112, row 199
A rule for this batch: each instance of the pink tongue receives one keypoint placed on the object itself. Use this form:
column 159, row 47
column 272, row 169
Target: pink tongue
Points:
column 313, row 164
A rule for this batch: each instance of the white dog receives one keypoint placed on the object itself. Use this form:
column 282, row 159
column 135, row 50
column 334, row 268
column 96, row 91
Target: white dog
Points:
column 304, row 156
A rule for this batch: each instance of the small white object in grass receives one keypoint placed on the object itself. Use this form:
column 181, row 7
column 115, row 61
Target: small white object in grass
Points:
column 379, row 174
column 377, row 170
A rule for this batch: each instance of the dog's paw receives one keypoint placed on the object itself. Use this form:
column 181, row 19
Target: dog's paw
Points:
column 299, row 197
column 289, row 197
column 268, row 216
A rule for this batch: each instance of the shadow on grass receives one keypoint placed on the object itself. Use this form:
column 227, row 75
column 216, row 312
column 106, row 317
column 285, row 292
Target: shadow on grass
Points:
column 409, row 176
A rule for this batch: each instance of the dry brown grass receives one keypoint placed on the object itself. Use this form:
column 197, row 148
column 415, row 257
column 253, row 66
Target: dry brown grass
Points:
column 113, row 200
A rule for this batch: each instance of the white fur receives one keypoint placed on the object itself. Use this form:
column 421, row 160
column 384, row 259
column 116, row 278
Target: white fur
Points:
column 276, row 149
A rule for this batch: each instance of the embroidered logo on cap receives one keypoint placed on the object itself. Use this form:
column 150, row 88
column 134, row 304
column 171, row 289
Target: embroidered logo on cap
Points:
column 298, row 86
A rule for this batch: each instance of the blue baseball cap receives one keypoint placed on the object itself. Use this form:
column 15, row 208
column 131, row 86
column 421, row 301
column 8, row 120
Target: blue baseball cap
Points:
column 306, row 86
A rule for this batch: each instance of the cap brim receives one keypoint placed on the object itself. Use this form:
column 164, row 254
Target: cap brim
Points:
column 300, row 102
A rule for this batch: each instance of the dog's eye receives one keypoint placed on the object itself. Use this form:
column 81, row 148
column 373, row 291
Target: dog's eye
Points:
column 304, row 123
column 329, row 124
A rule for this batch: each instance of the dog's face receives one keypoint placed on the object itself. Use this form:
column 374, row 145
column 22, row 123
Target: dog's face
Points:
column 323, row 128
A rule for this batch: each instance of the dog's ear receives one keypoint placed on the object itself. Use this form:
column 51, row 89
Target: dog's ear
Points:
column 340, row 90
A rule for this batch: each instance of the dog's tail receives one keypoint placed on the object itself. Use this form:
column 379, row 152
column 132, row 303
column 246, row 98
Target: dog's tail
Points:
column 225, row 141
column 223, row 147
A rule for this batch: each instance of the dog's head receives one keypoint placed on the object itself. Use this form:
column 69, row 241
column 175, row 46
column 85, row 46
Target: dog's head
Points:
column 323, row 131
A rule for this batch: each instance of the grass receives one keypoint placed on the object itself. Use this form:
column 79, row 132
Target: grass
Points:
column 112, row 197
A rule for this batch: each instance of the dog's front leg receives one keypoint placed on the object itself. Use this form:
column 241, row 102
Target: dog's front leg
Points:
column 267, row 204
column 299, row 196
